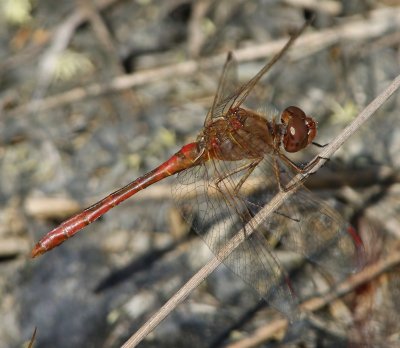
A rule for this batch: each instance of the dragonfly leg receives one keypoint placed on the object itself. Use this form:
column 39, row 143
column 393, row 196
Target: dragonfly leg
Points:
column 249, row 167
column 313, row 163
column 299, row 169
column 249, row 170
column 277, row 176
column 286, row 188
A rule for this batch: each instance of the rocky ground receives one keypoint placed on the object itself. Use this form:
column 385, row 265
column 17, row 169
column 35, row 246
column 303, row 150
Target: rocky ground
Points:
column 95, row 94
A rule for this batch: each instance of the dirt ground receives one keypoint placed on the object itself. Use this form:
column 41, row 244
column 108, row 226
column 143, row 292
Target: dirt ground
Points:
column 96, row 93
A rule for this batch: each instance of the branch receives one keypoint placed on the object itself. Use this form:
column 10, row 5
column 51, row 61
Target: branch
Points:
column 203, row 273
column 61, row 207
column 367, row 274
column 376, row 24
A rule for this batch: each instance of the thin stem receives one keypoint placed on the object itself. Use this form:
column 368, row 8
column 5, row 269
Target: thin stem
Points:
column 266, row 332
column 378, row 23
column 263, row 214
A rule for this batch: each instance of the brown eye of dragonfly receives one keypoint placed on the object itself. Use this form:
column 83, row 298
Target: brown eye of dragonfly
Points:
column 300, row 129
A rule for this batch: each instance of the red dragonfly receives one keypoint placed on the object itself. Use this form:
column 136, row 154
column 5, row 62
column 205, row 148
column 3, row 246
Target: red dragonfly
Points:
column 217, row 175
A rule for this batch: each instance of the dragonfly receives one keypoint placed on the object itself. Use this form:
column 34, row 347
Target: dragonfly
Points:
column 218, row 178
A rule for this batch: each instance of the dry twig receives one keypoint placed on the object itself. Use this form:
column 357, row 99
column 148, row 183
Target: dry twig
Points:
column 50, row 207
column 106, row 39
column 196, row 280
column 60, row 40
column 13, row 246
column 61, row 34
column 367, row 274
column 378, row 23
column 196, row 35
column 32, row 341
column 332, row 8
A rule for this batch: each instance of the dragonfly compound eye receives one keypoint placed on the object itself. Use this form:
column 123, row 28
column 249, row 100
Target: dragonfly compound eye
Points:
column 300, row 129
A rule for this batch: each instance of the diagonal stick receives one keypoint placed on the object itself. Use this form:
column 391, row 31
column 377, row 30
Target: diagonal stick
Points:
column 206, row 270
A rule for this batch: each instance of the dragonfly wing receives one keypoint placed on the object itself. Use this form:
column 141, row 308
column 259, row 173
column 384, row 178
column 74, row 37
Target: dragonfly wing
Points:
column 244, row 91
column 317, row 231
column 306, row 225
column 227, row 85
column 229, row 95
column 218, row 215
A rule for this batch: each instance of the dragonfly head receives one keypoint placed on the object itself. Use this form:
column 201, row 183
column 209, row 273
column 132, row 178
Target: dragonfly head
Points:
column 300, row 129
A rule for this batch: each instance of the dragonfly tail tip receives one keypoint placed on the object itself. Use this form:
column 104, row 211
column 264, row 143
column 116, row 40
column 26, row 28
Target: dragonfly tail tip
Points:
column 37, row 251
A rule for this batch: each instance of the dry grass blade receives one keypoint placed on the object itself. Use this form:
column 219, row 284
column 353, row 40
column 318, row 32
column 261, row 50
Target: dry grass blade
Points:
column 49, row 207
column 367, row 274
column 261, row 216
column 32, row 341
column 378, row 23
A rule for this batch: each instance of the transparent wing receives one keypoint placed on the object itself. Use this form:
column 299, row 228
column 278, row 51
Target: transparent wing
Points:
column 229, row 95
column 217, row 214
column 244, row 91
column 227, row 85
column 306, row 225
column 302, row 224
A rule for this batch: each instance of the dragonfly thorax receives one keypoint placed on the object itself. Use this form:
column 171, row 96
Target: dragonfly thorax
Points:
column 240, row 134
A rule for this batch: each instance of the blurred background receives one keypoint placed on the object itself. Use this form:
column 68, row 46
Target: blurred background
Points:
column 95, row 93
